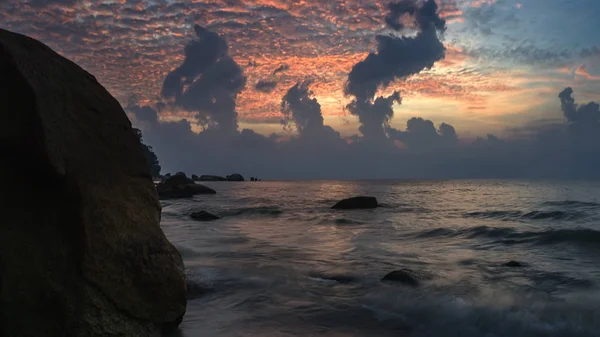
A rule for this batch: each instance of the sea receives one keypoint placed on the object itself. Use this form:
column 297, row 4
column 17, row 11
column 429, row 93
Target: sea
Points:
column 281, row 262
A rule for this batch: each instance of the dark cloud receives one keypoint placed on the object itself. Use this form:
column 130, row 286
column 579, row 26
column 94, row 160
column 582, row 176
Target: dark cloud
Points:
column 144, row 114
column 374, row 116
column 52, row 2
column 590, row 52
column 207, row 82
column 270, row 85
column 568, row 149
column 421, row 134
column 299, row 108
column 265, row 86
column 281, row 68
column 578, row 114
column 396, row 58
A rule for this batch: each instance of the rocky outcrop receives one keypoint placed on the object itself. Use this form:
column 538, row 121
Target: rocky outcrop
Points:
column 235, row 177
column 357, row 203
column 180, row 186
column 513, row 264
column 81, row 249
column 195, row 177
column 211, row 178
column 203, row 216
column 402, row 276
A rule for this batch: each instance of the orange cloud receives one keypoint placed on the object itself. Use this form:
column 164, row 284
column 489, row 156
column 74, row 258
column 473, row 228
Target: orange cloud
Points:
column 583, row 72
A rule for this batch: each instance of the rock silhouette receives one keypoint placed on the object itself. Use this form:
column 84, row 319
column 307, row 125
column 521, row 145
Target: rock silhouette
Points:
column 203, row 216
column 211, row 178
column 81, row 249
column 357, row 203
column 180, row 186
column 235, row 177
column 404, row 276
column 513, row 264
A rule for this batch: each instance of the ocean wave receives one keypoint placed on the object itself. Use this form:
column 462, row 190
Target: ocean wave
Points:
column 582, row 236
column 533, row 215
column 343, row 221
column 264, row 210
column 438, row 232
column 572, row 203
column 494, row 214
column 420, row 314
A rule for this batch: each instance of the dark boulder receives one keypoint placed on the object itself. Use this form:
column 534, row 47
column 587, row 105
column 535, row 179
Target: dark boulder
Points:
column 180, row 186
column 513, row 264
column 195, row 177
column 235, row 177
column 403, row 276
column 203, row 216
column 357, row 203
column 211, row 178
column 81, row 249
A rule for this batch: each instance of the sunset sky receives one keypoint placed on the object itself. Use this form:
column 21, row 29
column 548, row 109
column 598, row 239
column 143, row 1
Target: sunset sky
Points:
column 505, row 62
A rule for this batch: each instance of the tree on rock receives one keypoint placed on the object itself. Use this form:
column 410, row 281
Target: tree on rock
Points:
column 150, row 156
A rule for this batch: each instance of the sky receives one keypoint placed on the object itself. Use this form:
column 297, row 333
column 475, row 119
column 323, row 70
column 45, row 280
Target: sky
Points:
column 312, row 88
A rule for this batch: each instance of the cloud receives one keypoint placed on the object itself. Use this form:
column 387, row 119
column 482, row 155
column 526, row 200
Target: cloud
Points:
column 129, row 46
column 549, row 149
column 396, row 58
column 578, row 114
column 265, row 86
column 299, row 108
column 421, row 134
column 207, row 82
column 281, row 68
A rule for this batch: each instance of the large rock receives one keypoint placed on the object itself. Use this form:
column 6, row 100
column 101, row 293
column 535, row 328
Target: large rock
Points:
column 514, row 264
column 211, row 178
column 203, row 216
column 81, row 249
column 235, row 177
column 357, row 203
column 180, row 186
column 403, row 276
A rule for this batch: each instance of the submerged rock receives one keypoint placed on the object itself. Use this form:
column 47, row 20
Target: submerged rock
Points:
column 211, row 178
column 513, row 264
column 180, row 186
column 235, row 177
column 203, row 216
column 81, row 249
column 404, row 276
column 357, row 203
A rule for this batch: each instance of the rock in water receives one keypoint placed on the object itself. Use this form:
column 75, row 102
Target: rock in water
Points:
column 513, row 264
column 81, row 249
column 404, row 276
column 180, row 186
column 357, row 203
column 203, row 216
column 211, row 178
column 235, row 177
